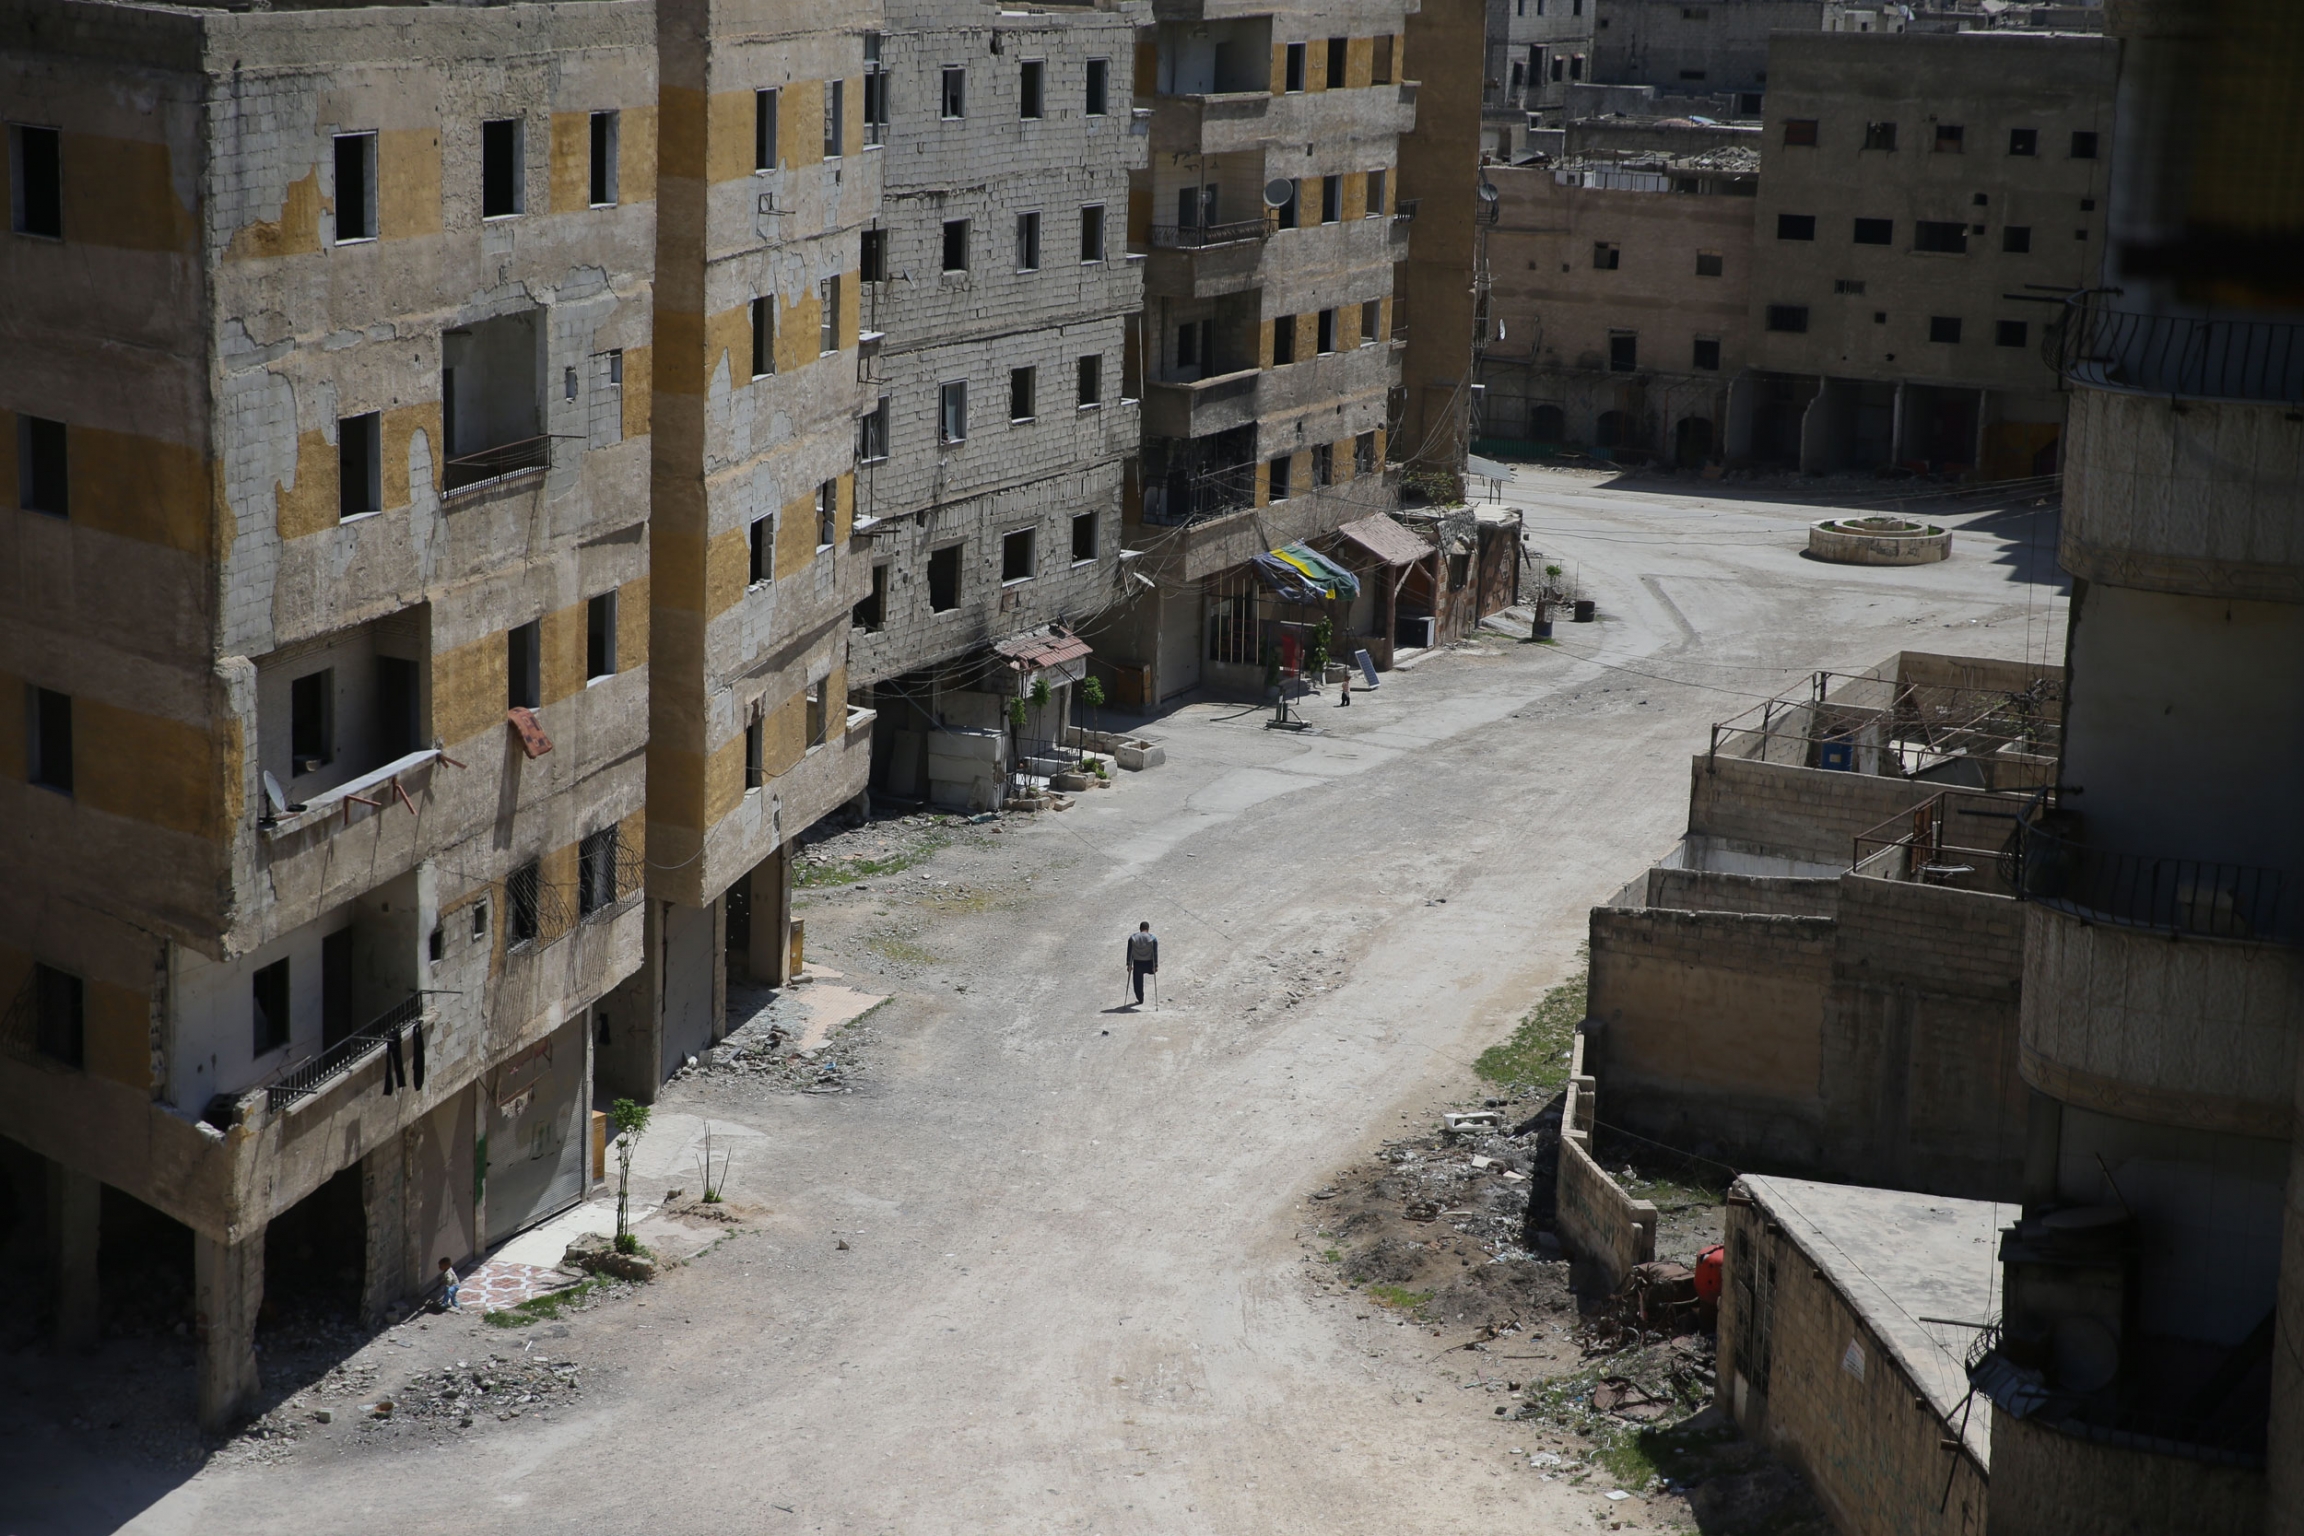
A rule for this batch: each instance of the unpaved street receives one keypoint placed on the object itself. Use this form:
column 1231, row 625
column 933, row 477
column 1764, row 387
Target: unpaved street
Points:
column 1074, row 1296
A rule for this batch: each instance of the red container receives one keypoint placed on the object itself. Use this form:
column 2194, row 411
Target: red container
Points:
column 1709, row 1265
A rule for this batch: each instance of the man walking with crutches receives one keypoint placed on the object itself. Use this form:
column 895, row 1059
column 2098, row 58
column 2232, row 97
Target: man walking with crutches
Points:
column 1143, row 959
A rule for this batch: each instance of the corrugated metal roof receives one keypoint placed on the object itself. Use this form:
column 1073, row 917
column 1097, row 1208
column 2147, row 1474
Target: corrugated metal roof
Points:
column 1386, row 540
column 1038, row 648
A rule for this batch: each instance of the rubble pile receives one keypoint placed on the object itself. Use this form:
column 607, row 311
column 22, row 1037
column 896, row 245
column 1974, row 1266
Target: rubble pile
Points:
column 764, row 1051
column 499, row 1387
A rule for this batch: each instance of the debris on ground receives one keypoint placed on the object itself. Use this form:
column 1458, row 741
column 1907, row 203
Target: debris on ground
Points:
column 499, row 1387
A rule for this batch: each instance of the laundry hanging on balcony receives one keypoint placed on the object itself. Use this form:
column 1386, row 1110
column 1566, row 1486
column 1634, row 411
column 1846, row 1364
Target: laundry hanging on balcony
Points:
column 1297, row 574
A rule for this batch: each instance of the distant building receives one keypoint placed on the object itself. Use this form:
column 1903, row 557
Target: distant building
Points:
column 1719, row 45
column 1535, row 51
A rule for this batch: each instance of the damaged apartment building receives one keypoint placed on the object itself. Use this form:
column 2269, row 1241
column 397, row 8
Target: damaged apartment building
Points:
column 1000, row 297
column 1920, row 202
column 2055, row 987
column 327, row 637
column 770, row 173
column 1272, row 220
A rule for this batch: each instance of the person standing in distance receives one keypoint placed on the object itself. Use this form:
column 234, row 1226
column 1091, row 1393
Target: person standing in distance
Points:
column 1143, row 958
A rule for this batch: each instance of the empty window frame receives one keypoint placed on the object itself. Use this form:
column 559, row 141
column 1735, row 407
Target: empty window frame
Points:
column 1364, row 454
column 872, row 433
column 1942, row 237
column 523, row 903
column 312, row 721
column 762, row 535
column 2024, row 141
column 955, row 245
column 48, row 738
column 763, row 335
column 604, row 137
column 1277, row 478
column 1854, row 285
column 1380, row 60
column 1623, row 351
column 1292, row 70
column 952, row 100
column 1944, row 328
column 1371, row 321
column 944, row 578
column 501, row 191
column 1092, row 233
column 872, row 255
column 1028, row 242
column 59, row 1018
column 2010, row 333
column 1375, row 209
column 1951, row 138
column 1795, row 226
column 1283, row 341
column 1337, row 53
column 1099, row 93
column 1323, row 464
column 819, row 714
column 1083, row 538
column 1331, row 199
column 827, row 513
column 1032, row 90
column 952, row 412
column 523, row 665
column 1704, row 356
column 269, row 1020
column 1575, row 66
column 1606, row 256
column 43, row 483
column 1792, row 318
column 1023, row 387
column 1709, row 264
column 875, row 92
column 2016, row 239
column 828, row 315
column 1800, row 130
column 2083, row 145
column 1324, row 332
column 1284, row 216
column 871, row 612
column 1091, row 380
column 600, row 636
column 360, row 465
column 355, row 188
column 36, row 181
column 1880, row 136
column 835, row 119
column 1016, row 554
column 596, row 872
column 1874, row 232
column 764, row 122
column 755, row 751
column 398, row 698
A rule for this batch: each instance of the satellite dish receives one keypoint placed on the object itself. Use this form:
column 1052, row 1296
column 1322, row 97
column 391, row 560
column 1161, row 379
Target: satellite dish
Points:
column 1279, row 192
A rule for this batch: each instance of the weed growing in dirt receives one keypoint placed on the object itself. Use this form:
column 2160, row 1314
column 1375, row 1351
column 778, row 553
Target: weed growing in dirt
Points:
column 846, row 870
column 1537, row 1054
column 1399, row 1296
column 1333, row 1255
column 542, row 1309
column 901, row 952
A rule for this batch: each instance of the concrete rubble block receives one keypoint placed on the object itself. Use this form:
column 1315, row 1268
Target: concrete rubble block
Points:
column 1472, row 1122
column 595, row 1253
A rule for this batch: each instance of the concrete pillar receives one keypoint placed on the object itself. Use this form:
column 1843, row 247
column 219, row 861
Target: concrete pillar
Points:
column 75, row 1201
column 1896, row 426
column 2284, row 1435
column 385, row 1281
column 228, row 1287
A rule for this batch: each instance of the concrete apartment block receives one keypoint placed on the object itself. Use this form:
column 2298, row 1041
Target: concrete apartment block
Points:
column 1006, row 390
column 1456, row 209
column 1721, row 45
column 1621, row 298
column 2145, row 1372
column 1923, row 200
column 1533, row 51
column 770, row 172
column 329, row 665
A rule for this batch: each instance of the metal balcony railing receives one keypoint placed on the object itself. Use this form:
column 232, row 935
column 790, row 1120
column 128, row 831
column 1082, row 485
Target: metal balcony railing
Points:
column 2178, row 356
column 467, row 470
column 308, row 1078
column 1192, row 237
column 2139, row 890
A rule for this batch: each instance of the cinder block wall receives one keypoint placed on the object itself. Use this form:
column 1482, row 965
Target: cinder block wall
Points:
column 1802, row 813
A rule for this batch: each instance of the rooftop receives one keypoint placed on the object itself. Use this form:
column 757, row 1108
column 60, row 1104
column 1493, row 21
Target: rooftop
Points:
column 1913, row 1267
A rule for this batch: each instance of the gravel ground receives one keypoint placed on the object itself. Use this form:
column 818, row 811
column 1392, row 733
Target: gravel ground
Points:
column 1055, row 1266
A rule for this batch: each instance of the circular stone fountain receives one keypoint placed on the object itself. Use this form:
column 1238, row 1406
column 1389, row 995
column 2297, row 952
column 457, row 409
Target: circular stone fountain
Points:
column 1878, row 541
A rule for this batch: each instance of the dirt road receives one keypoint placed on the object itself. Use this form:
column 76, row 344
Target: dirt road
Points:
column 1073, row 1296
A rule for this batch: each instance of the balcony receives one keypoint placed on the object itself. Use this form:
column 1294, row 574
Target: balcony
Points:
column 475, row 471
column 1203, row 407
column 2162, row 893
column 1213, row 124
column 1195, row 237
column 1959, row 840
column 2178, row 357
column 314, row 1076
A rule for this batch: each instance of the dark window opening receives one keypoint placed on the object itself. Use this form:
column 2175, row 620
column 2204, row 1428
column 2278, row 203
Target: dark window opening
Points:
column 1945, row 328
column 1016, row 555
column 1283, row 340
column 2016, row 239
column 2010, row 333
column 1099, row 87
column 1022, row 386
column 764, row 130
column 1337, row 54
column 872, row 611
column 872, row 434
column 49, row 752
column 952, row 412
column 600, row 636
column 1709, row 264
column 2023, row 141
column 360, row 465
column 1951, row 138
column 1084, row 537
column 1623, row 351
column 1092, row 233
column 2083, row 146
column 1606, row 257
column 59, row 1028
column 1941, row 237
column 523, row 900
column 1707, row 354
column 955, row 245
column 1293, row 72
column 1795, row 226
column 835, row 119
column 269, row 989
column 1324, row 331
column 1331, row 199
column 1323, row 464
column 755, row 748
column 872, row 256
column 1875, row 232
column 41, row 482
column 500, row 189
column 1278, row 479
column 355, row 187
column 398, row 701
column 763, row 336
column 596, row 872
column 36, row 181
column 763, row 534
column 1364, row 454
column 312, row 721
column 953, row 101
column 1027, row 242
column 523, row 665
column 604, row 135
column 1792, row 318
column 1800, row 130
column 827, row 513
column 828, row 315
column 944, row 579
column 819, row 714
column 1091, row 380
column 1371, row 320
column 1031, row 90
column 1880, row 136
